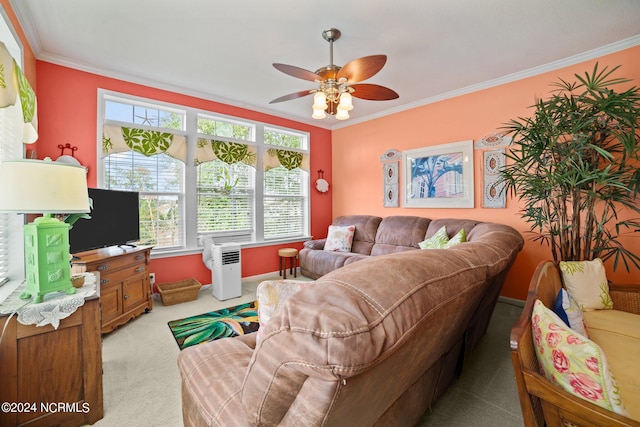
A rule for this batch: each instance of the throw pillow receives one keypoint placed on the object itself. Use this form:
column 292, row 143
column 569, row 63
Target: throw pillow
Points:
column 569, row 311
column 271, row 294
column 438, row 241
column 460, row 237
column 340, row 238
column 586, row 281
column 573, row 361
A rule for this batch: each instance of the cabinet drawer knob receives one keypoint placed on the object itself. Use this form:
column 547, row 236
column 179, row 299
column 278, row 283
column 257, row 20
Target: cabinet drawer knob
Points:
column 126, row 297
column 140, row 269
column 103, row 267
column 104, row 281
column 139, row 257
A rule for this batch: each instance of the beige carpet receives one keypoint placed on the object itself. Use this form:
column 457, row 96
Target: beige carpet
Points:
column 140, row 376
column 142, row 386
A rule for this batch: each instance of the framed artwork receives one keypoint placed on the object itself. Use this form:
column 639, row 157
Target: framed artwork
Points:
column 390, row 185
column 390, row 178
column 494, row 195
column 440, row 176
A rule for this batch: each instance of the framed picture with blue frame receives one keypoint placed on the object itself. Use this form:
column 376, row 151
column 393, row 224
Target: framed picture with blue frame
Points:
column 439, row 176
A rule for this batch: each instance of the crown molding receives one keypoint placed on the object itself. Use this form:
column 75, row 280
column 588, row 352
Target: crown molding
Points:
column 531, row 72
column 20, row 9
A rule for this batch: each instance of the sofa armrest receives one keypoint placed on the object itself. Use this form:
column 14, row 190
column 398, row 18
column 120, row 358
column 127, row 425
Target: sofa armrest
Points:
column 315, row 244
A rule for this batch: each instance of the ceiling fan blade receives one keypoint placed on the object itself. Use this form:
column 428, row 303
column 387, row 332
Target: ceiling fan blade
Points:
column 362, row 68
column 297, row 72
column 292, row 96
column 373, row 92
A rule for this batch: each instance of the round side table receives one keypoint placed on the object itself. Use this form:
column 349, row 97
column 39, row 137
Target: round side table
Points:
column 292, row 255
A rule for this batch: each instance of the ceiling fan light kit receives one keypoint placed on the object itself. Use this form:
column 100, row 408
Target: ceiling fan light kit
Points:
column 338, row 85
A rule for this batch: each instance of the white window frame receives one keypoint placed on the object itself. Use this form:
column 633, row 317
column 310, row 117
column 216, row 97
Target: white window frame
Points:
column 192, row 242
column 13, row 249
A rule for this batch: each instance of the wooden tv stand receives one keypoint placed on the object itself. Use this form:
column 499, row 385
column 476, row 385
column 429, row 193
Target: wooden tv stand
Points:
column 125, row 290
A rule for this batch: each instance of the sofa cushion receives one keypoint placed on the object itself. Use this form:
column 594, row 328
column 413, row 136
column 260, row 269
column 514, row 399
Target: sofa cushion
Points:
column 573, row 361
column 339, row 238
column 399, row 233
column 209, row 378
column 618, row 334
column 586, row 281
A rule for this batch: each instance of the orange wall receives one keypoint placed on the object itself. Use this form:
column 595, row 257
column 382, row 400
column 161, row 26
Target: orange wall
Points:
column 356, row 152
column 67, row 108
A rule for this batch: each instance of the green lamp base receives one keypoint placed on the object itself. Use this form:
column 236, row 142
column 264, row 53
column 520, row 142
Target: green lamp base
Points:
column 46, row 250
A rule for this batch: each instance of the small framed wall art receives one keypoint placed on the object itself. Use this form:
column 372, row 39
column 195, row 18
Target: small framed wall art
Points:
column 390, row 160
column 494, row 195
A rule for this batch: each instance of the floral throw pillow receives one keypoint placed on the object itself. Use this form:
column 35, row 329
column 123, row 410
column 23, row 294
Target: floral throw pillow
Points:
column 271, row 294
column 586, row 281
column 340, row 238
column 573, row 361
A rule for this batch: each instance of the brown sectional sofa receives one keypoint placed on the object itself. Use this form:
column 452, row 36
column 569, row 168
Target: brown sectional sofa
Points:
column 375, row 236
column 373, row 343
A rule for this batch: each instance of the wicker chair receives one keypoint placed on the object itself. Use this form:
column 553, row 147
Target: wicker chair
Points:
column 542, row 401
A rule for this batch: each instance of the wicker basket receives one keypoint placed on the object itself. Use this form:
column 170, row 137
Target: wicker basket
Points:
column 177, row 292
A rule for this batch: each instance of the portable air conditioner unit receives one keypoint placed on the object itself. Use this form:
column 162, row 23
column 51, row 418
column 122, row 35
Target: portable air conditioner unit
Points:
column 226, row 275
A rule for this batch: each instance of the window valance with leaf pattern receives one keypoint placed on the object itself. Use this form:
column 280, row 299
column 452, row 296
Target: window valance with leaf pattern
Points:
column 228, row 152
column 289, row 159
column 15, row 90
column 116, row 139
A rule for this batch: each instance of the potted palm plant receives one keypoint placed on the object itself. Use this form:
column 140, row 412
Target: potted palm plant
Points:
column 575, row 163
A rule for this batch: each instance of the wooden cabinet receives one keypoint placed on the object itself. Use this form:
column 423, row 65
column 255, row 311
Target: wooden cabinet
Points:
column 52, row 377
column 125, row 291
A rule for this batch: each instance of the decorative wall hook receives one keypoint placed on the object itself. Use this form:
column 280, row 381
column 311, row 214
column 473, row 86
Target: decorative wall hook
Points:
column 321, row 184
column 67, row 146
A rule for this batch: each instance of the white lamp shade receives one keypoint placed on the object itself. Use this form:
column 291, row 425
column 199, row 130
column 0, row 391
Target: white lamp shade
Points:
column 342, row 114
column 42, row 186
column 346, row 102
column 320, row 101
column 318, row 113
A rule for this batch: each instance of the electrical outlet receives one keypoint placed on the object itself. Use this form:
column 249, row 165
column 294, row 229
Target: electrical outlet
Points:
column 152, row 278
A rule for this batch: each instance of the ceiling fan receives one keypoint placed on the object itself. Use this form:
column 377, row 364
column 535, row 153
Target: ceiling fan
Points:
column 338, row 84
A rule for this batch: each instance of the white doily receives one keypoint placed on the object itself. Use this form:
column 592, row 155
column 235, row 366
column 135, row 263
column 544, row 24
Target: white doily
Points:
column 55, row 307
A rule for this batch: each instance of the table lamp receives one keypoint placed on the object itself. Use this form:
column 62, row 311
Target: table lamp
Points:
column 42, row 186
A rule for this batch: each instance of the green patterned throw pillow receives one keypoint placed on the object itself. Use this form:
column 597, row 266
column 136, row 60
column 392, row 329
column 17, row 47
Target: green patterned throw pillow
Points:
column 460, row 237
column 586, row 281
column 441, row 240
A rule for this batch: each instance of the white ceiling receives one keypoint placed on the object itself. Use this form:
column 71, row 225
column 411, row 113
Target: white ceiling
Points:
column 224, row 50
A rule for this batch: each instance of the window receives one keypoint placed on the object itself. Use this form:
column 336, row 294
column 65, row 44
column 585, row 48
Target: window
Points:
column 202, row 173
column 284, row 186
column 11, row 235
column 139, row 147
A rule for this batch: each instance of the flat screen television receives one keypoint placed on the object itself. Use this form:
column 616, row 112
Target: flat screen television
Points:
column 114, row 221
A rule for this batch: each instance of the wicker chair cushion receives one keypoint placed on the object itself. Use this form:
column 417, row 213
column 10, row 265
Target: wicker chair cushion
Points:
column 618, row 334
